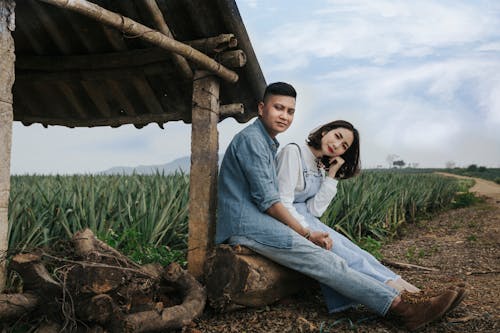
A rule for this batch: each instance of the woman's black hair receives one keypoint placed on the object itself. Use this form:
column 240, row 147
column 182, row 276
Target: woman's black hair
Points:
column 352, row 164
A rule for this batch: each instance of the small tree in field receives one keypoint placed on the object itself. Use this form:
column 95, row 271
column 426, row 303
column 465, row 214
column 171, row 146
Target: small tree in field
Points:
column 472, row 167
column 399, row 163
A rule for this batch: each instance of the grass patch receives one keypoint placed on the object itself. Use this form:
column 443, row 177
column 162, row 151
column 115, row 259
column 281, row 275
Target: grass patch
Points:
column 371, row 245
column 464, row 200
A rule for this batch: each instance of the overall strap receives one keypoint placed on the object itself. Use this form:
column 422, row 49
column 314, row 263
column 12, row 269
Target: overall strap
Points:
column 304, row 168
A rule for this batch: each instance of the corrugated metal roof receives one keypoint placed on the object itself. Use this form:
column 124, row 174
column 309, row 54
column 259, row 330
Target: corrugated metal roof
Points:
column 76, row 72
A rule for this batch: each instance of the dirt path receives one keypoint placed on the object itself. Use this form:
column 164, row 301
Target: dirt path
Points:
column 482, row 187
column 464, row 244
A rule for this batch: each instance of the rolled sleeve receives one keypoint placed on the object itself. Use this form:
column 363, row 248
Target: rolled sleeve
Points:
column 257, row 163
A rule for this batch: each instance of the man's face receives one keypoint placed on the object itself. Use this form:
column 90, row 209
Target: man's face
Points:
column 276, row 113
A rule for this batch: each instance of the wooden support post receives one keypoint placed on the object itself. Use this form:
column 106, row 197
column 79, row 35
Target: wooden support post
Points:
column 7, row 58
column 203, row 177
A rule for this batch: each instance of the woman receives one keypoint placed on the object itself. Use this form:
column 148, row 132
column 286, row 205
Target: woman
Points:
column 307, row 180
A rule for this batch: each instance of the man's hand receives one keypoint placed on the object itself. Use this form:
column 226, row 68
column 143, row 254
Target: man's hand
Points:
column 321, row 239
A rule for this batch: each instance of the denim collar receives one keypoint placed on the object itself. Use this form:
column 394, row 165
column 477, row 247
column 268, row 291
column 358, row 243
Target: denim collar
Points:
column 272, row 142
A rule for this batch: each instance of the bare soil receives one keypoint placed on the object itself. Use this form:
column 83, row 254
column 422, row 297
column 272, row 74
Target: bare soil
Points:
column 464, row 244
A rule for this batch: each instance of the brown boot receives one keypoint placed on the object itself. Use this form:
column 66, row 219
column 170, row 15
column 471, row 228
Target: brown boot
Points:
column 461, row 293
column 416, row 315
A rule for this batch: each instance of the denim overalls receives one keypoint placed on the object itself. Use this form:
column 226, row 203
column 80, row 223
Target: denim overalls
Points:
column 356, row 258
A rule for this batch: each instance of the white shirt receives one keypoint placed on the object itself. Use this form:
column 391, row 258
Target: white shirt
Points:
column 291, row 181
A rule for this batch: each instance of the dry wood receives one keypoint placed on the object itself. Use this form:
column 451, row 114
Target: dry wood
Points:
column 461, row 319
column 7, row 75
column 36, row 278
column 38, row 281
column 86, row 244
column 482, row 272
column 13, row 306
column 214, row 44
column 98, row 309
column 203, row 175
column 48, row 327
column 176, row 316
column 239, row 277
column 112, row 292
column 131, row 27
column 407, row 266
column 233, row 59
column 162, row 26
column 231, row 109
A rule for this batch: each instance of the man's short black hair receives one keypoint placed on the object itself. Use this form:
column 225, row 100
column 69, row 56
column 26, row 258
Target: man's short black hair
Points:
column 279, row 88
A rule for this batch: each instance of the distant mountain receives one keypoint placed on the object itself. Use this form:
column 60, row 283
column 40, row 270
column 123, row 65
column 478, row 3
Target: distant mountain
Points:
column 181, row 164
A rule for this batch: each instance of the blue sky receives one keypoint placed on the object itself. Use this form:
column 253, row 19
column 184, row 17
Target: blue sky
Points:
column 419, row 79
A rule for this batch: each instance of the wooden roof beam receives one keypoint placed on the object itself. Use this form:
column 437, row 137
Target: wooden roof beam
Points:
column 214, row 44
column 155, row 37
column 122, row 59
column 162, row 26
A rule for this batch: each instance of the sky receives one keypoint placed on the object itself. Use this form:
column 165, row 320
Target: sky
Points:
column 420, row 80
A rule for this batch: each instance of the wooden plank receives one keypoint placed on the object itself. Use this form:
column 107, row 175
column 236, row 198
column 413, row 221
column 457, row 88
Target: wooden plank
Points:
column 203, row 176
column 7, row 75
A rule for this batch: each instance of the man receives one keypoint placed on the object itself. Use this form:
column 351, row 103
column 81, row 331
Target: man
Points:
column 250, row 213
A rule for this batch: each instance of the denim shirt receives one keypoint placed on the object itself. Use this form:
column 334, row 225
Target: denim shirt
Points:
column 248, row 186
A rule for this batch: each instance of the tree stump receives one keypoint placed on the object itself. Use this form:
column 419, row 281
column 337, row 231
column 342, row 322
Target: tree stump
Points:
column 238, row 277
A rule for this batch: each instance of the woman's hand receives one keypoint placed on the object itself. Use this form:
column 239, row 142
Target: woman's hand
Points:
column 321, row 239
column 335, row 164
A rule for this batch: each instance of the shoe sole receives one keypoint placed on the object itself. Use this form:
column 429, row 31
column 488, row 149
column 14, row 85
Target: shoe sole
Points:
column 460, row 297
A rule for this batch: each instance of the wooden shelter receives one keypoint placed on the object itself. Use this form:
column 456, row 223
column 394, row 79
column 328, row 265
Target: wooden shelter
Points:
column 78, row 63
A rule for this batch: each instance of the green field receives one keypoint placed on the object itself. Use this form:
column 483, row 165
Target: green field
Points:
column 146, row 216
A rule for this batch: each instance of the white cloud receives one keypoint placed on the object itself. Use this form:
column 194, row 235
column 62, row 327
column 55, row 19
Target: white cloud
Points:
column 430, row 112
column 378, row 31
column 493, row 47
column 250, row 3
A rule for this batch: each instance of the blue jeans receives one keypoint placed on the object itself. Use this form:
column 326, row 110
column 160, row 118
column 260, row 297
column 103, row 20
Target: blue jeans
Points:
column 327, row 268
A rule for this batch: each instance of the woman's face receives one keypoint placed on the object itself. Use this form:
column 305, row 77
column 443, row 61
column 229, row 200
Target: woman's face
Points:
column 335, row 142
